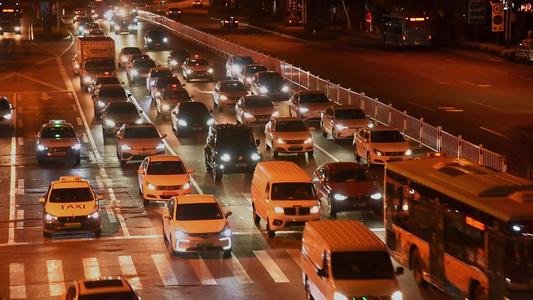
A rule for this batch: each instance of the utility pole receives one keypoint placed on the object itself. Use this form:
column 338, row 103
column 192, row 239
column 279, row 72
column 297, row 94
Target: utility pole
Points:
column 508, row 9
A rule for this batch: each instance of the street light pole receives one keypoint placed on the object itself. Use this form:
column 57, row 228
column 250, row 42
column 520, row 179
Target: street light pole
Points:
column 508, row 14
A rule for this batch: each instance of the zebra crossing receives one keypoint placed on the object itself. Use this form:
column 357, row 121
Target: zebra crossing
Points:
column 162, row 270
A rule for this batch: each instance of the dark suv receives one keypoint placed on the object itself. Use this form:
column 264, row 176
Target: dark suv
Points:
column 231, row 148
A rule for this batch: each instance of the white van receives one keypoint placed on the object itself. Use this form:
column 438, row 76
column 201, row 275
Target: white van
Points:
column 283, row 196
column 343, row 259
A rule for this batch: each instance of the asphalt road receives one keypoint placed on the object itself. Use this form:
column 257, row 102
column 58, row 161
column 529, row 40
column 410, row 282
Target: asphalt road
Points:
column 37, row 78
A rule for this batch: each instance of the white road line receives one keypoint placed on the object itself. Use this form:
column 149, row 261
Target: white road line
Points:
column 272, row 268
column 125, row 230
column 20, row 141
column 110, row 214
column 12, row 190
column 20, row 187
column 327, row 153
column 56, row 279
column 201, row 270
column 238, row 271
column 163, row 266
column 129, row 272
column 369, row 59
column 20, row 216
column 92, row 158
column 483, row 104
column 99, row 182
column 420, row 105
column 469, row 83
column 80, row 123
column 91, row 268
column 493, row 132
column 85, row 141
column 17, row 281
column 377, row 229
column 296, row 255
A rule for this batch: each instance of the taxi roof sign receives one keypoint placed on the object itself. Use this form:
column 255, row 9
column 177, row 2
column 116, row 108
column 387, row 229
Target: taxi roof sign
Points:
column 57, row 122
column 70, row 178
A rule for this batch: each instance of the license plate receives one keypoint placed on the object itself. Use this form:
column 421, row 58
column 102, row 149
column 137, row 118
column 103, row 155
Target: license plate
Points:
column 59, row 153
column 158, row 44
column 297, row 228
column 295, row 148
column 144, row 153
column 72, row 225
column 169, row 193
column 204, row 245
column 197, row 128
column 417, row 43
column 360, row 204
column 241, row 165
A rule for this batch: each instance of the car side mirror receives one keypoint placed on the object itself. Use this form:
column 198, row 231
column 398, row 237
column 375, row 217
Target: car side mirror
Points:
column 42, row 200
column 140, row 111
column 319, row 195
column 257, row 142
column 193, row 96
column 191, row 171
column 164, row 135
column 399, row 270
column 166, row 214
column 80, row 135
column 129, row 95
column 140, row 171
column 321, row 273
column 365, row 140
column 211, row 111
column 100, row 197
column 183, row 85
column 122, row 82
column 311, row 128
column 228, row 213
column 12, row 107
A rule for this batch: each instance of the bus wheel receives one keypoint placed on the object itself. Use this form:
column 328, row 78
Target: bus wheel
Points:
column 476, row 292
column 416, row 264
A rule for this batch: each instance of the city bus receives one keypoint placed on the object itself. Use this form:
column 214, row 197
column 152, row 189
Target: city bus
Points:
column 10, row 17
column 406, row 30
column 461, row 227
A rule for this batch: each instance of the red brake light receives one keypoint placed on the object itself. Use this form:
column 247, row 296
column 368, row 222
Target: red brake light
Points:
column 196, row 56
column 429, row 37
column 404, row 38
column 236, row 21
column 290, row 21
column 475, row 223
column 416, row 19
column 106, row 73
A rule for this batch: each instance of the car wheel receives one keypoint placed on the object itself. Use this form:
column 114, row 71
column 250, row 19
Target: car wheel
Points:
column 310, row 153
column 98, row 233
column 47, row 234
column 227, row 254
column 477, row 293
column 77, row 161
column 207, row 166
column 355, row 154
column 368, row 160
column 324, row 133
column 256, row 217
column 217, row 173
column 416, row 265
column 334, row 135
column 267, row 147
column 270, row 232
column 188, row 79
column 273, row 152
column 308, row 295
column 332, row 212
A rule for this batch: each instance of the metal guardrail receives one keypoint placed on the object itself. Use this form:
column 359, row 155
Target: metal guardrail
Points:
column 416, row 129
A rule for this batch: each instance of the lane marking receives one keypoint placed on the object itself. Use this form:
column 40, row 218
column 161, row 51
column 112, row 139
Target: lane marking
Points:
column 99, row 182
column 369, row 59
column 469, row 83
column 56, row 279
column 484, row 85
column 17, row 281
column 377, row 229
column 78, row 120
column 420, row 105
column 483, row 104
column 163, row 266
column 296, row 256
column 42, row 82
column 91, row 268
column 129, row 272
column 327, row 153
column 12, row 190
column 237, row 269
column 20, row 187
column 20, row 216
column 110, row 214
column 201, row 270
column 270, row 265
column 122, row 222
column 20, row 140
column 493, row 132
column 86, row 141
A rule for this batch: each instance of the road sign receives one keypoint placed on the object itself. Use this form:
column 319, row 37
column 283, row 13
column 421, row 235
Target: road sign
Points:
column 497, row 17
column 476, row 11
column 45, row 7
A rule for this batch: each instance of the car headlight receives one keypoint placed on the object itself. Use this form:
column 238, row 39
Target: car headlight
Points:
column 225, row 157
column 279, row 210
column 280, row 141
column 134, row 72
column 165, row 40
column 339, row 296
column 179, row 234
column 110, row 123
column 256, row 156
column 235, row 68
column 210, row 121
column 397, row 296
column 408, row 152
column 285, row 89
column 81, row 29
column 376, row 196
column 125, row 147
column 249, row 79
column 173, row 62
column 186, row 186
column 151, row 186
column 160, row 146
column 130, row 26
column 41, row 147
column 308, row 141
column 50, row 217
column 226, row 232
column 85, row 31
column 210, row 71
column 248, row 115
column 87, row 79
column 304, row 109
column 7, row 116
column 152, row 82
column 379, row 153
column 112, row 22
column 339, row 197
column 139, row 121
column 263, row 90
column 157, row 94
column 315, row 209
column 117, row 27
column 124, row 59
column 94, row 215
column 188, row 71
column 101, row 104
column 17, row 28
column 182, row 123
column 76, row 66
column 222, row 97
column 275, row 114
column 77, row 146
column 166, row 107
column 149, row 40
column 341, row 127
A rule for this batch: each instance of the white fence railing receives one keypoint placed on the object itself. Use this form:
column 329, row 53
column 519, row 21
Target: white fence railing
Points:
column 416, row 129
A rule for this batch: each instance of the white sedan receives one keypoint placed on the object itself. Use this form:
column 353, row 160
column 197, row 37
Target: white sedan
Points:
column 379, row 144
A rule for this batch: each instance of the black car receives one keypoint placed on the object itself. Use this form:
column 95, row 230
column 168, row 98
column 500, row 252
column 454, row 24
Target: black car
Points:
column 174, row 13
column 155, row 39
column 231, row 148
column 124, row 25
column 176, row 58
column 229, row 22
column 188, row 117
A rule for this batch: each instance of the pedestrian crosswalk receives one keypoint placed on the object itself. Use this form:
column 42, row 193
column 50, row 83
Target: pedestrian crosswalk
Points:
column 162, row 271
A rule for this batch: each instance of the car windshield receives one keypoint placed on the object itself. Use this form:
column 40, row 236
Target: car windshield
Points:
column 138, row 56
column 144, row 63
column 255, row 69
column 107, row 80
column 159, row 73
column 313, row 98
column 387, row 136
column 141, row 133
column 350, row 114
column 232, row 87
column 4, row 104
column 166, row 81
column 196, row 109
column 238, row 138
column 112, row 93
column 361, row 265
column 100, row 64
column 198, row 62
column 175, row 95
column 293, row 191
column 96, row 32
column 243, row 60
column 289, row 126
column 156, row 34
column 58, row 133
column 120, row 108
column 132, row 51
column 110, row 296
column 166, row 168
column 348, row 175
column 81, row 194
column 260, row 102
column 180, row 54
column 92, row 26
column 271, row 78
column 198, row 211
